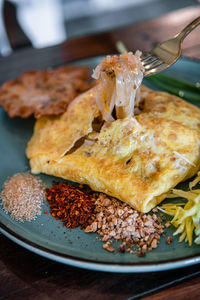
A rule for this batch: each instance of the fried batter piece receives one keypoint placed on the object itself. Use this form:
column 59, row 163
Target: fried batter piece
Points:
column 44, row 92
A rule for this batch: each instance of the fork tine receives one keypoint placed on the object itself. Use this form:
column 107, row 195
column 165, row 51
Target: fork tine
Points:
column 162, row 67
column 155, row 69
column 154, row 64
column 147, row 57
column 150, row 62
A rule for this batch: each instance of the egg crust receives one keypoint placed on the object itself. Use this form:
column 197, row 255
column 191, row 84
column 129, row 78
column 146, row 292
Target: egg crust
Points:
column 137, row 160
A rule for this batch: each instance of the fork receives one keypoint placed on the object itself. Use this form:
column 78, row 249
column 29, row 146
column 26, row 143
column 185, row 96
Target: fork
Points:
column 165, row 54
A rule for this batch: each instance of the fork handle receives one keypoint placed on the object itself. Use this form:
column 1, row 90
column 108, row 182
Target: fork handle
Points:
column 188, row 29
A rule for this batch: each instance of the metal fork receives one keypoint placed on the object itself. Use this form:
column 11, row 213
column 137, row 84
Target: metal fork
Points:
column 166, row 53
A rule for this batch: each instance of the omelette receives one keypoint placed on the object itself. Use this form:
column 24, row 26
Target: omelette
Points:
column 135, row 152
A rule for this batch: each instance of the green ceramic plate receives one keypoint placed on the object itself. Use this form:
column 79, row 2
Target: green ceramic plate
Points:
column 46, row 236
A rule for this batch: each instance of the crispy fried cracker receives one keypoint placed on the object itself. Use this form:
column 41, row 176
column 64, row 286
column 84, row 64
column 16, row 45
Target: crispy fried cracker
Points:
column 44, row 92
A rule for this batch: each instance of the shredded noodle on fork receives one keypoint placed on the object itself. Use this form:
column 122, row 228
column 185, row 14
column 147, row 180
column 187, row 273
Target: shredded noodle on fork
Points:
column 119, row 78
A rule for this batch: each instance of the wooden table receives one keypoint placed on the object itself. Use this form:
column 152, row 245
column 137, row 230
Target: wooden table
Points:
column 28, row 276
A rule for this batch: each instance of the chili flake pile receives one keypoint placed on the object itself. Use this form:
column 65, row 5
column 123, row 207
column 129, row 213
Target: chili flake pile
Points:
column 73, row 206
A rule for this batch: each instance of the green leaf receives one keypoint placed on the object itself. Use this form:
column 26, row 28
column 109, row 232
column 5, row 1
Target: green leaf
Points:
column 179, row 83
column 180, row 88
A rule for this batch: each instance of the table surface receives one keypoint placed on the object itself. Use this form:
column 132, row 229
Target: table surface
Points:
column 26, row 275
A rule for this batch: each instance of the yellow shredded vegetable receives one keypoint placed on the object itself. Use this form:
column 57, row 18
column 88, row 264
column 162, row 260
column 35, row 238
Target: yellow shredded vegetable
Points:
column 186, row 216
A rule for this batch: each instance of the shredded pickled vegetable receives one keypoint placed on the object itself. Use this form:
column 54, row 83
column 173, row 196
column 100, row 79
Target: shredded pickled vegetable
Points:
column 186, row 216
column 195, row 181
column 119, row 80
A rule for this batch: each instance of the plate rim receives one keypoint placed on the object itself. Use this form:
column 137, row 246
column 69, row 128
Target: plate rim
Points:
column 67, row 259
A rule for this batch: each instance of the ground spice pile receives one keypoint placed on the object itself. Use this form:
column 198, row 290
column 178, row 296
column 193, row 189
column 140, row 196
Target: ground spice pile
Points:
column 116, row 220
column 22, row 196
column 73, row 206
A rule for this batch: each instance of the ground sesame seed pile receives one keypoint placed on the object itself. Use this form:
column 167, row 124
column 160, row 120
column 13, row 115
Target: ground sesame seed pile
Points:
column 22, row 196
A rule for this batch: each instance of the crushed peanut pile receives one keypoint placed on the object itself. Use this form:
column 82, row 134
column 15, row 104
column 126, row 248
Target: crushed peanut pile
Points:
column 114, row 220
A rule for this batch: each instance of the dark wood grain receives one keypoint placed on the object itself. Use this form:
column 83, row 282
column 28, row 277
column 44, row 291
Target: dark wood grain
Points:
column 25, row 275
column 142, row 36
column 185, row 291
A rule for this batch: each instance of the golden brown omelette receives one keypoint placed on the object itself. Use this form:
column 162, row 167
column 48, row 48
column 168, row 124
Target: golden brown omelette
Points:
column 136, row 159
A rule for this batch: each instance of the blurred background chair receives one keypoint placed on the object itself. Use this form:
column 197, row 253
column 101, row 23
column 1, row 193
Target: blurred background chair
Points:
column 49, row 22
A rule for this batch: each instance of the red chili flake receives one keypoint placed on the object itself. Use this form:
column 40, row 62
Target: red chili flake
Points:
column 73, row 206
column 169, row 240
